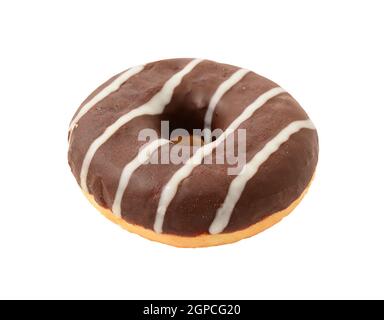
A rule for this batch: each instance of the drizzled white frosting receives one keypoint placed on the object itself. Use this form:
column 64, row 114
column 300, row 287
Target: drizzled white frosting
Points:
column 112, row 87
column 223, row 214
column 170, row 189
column 154, row 106
column 144, row 155
column 219, row 93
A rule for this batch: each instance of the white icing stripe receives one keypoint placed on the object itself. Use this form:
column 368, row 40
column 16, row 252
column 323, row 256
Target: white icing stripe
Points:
column 236, row 188
column 219, row 93
column 170, row 189
column 144, row 155
column 113, row 86
column 154, row 106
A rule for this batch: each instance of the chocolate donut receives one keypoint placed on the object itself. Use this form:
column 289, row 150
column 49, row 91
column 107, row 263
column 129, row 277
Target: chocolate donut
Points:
column 196, row 202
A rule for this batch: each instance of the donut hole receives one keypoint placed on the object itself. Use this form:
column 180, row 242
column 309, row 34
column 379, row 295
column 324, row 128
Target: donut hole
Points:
column 185, row 116
column 185, row 120
column 183, row 128
column 188, row 140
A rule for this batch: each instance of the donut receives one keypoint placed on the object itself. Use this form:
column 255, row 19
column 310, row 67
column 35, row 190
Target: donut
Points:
column 124, row 160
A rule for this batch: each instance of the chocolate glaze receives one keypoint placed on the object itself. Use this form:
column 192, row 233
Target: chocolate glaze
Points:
column 279, row 181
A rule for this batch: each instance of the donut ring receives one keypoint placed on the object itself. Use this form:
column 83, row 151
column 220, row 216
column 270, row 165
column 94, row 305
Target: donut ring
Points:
column 195, row 203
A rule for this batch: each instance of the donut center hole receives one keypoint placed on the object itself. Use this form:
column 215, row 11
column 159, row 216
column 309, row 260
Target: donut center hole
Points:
column 185, row 128
column 188, row 140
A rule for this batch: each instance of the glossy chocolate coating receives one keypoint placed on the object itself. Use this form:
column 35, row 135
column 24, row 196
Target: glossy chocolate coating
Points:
column 278, row 182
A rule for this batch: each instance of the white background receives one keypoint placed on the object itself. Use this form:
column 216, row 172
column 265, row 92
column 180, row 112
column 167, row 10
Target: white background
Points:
column 328, row 54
